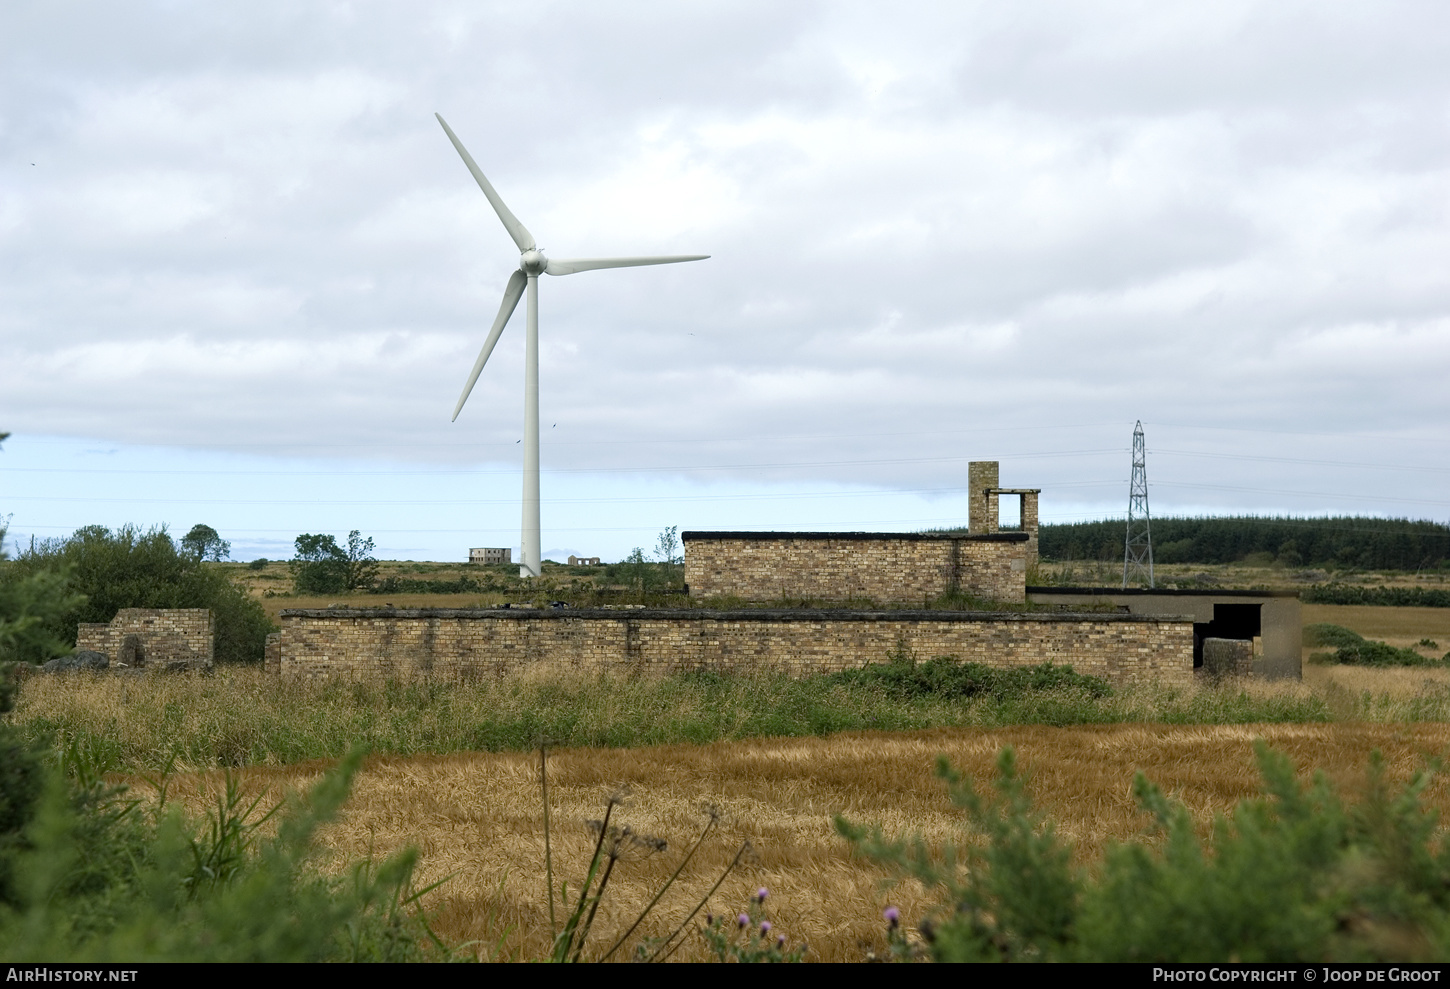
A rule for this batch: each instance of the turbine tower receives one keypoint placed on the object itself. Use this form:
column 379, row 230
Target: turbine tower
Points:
column 532, row 263
column 1138, row 546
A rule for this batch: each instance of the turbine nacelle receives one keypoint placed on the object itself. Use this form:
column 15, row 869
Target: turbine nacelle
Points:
column 532, row 263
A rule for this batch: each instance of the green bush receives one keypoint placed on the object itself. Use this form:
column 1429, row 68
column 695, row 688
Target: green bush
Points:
column 98, row 881
column 1292, row 876
column 408, row 585
column 30, row 605
column 1353, row 649
column 34, row 606
column 1388, row 597
column 945, row 677
column 129, row 568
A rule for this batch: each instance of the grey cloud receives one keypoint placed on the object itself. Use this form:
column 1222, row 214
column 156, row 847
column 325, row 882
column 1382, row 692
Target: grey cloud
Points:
column 243, row 225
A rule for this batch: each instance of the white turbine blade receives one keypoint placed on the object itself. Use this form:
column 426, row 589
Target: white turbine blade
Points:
column 517, row 230
column 511, row 295
column 569, row 266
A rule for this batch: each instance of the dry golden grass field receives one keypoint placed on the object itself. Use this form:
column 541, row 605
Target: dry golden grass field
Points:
column 1398, row 626
column 477, row 817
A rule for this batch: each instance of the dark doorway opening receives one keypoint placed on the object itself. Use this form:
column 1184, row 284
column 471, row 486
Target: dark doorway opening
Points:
column 1230, row 621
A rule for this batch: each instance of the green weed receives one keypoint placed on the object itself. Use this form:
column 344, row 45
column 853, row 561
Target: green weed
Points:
column 1292, row 876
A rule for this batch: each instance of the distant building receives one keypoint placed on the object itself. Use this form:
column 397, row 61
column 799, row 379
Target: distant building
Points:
column 489, row 554
column 583, row 561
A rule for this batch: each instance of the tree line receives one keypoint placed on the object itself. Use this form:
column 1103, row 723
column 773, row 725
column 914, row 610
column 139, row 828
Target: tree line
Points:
column 1338, row 542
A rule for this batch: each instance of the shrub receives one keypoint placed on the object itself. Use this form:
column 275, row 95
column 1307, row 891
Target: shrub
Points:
column 84, row 878
column 101, row 883
column 945, row 676
column 1393, row 597
column 1353, row 649
column 1325, row 634
column 31, row 604
column 406, row 585
column 33, row 607
column 1293, row 876
column 129, row 568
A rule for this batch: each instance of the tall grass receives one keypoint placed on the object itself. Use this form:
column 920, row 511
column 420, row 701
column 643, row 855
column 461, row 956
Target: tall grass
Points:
column 241, row 716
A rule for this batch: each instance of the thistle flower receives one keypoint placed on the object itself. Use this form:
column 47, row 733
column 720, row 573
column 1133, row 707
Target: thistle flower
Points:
column 743, row 920
column 892, row 916
column 764, row 928
column 780, row 942
column 761, row 894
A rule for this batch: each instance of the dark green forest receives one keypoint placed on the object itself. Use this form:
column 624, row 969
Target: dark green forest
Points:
column 1343, row 542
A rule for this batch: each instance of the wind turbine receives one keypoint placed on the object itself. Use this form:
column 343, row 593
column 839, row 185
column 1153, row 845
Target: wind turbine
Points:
column 532, row 263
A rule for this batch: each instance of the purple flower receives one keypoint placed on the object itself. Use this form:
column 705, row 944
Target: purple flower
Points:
column 743, row 920
column 761, row 894
column 892, row 915
column 780, row 941
column 764, row 928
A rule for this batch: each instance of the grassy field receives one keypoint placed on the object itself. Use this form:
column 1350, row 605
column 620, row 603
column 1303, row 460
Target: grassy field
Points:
column 477, row 818
column 453, row 772
column 1396, row 626
column 241, row 716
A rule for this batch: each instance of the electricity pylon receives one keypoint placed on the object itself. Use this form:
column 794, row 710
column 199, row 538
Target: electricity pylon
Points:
column 1138, row 547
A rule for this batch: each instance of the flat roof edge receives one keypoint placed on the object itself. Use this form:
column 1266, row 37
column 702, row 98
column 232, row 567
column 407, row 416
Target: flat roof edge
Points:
column 1109, row 591
column 985, row 537
column 742, row 615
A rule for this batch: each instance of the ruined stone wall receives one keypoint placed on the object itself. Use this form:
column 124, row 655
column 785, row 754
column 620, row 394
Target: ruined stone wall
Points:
column 380, row 643
column 839, row 566
column 152, row 637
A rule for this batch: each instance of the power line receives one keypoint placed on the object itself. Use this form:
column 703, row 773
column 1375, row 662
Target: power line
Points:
column 1293, row 460
column 511, row 471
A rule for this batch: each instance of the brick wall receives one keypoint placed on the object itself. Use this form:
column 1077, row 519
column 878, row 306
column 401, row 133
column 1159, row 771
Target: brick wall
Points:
column 981, row 509
column 885, row 568
column 152, row 637
column 1030, row 525
column 1228, row 657
column 272, row 653
column 455, row 643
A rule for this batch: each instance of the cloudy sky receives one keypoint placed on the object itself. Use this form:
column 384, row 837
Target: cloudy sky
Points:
column 243, row 274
